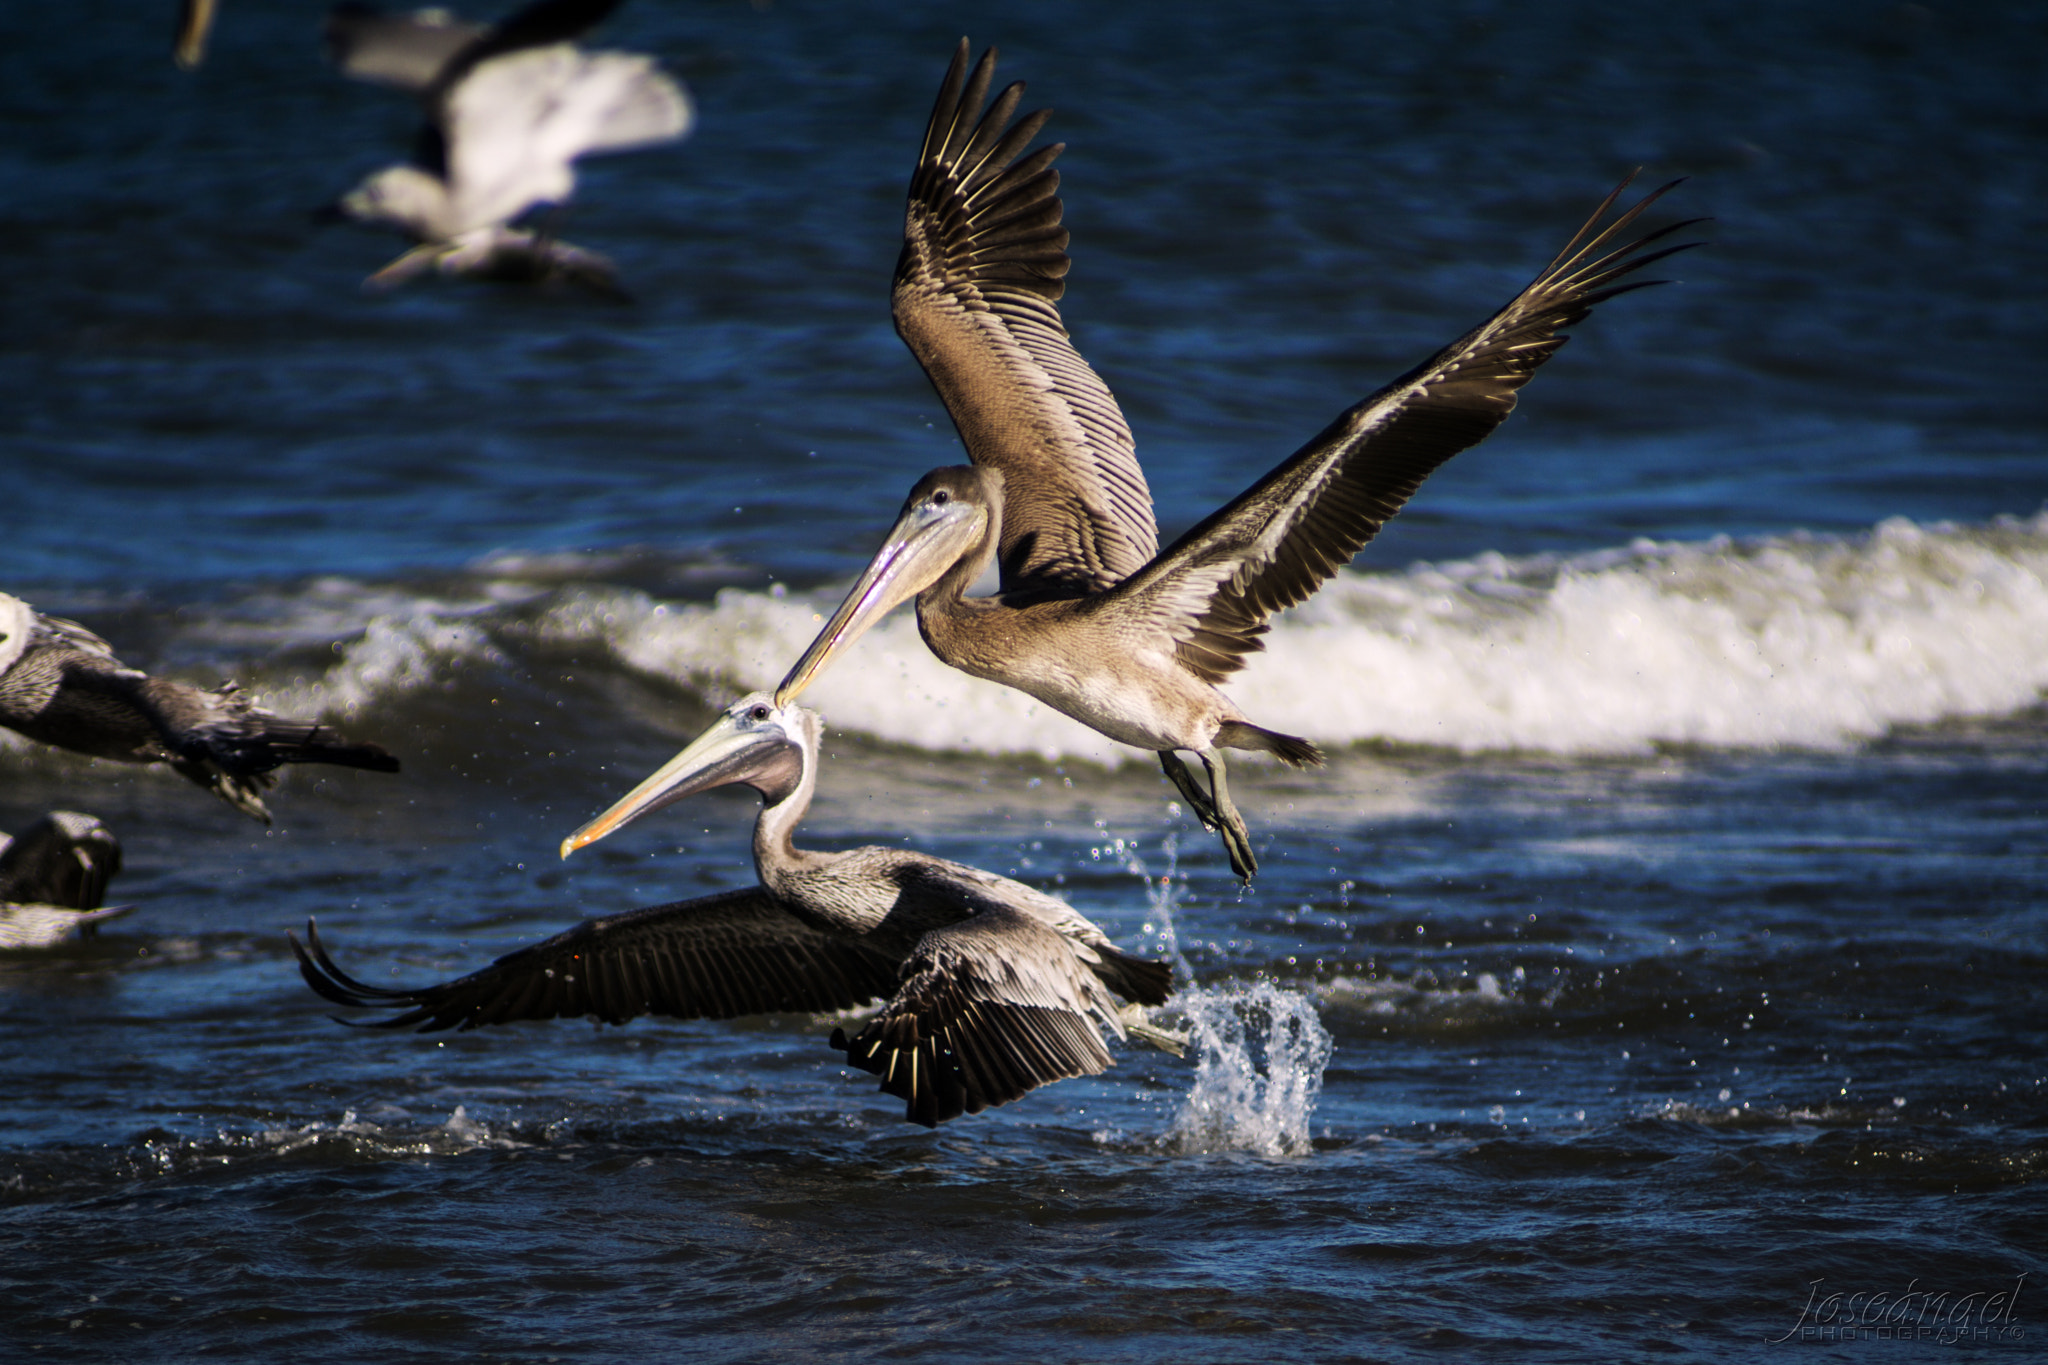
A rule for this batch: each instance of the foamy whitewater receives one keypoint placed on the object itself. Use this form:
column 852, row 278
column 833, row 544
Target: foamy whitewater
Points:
column 1799, row 641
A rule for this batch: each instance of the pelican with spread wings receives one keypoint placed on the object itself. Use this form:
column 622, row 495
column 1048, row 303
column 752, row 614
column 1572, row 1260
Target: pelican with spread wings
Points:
column 510, row 107
column 61, row 685
column 1091, row 617
column 993, row 988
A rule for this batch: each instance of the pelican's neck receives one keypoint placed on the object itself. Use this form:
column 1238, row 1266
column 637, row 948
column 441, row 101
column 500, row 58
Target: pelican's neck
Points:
column 776, row 856
column 946, row 615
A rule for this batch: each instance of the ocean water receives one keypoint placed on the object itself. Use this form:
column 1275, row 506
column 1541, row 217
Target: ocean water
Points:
column 1654, row 971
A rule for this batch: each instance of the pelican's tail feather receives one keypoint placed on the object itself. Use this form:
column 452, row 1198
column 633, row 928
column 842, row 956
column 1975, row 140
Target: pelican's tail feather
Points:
column 298, row 741
column 1296, row 753
column 1134, row 978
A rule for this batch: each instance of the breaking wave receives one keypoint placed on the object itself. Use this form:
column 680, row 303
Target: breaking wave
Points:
column 1796, row 640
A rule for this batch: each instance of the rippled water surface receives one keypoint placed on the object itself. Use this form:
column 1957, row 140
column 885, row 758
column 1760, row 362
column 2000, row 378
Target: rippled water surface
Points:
column 1655, row 967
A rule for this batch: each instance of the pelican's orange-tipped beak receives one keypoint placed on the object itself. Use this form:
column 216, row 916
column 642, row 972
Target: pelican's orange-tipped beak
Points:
column 734, row 749
column 927, row 540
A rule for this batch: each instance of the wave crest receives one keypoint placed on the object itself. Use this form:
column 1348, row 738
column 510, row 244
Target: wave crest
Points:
column 1797, row 640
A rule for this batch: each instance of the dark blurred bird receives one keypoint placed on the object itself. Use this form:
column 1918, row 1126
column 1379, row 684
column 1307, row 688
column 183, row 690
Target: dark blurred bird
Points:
column 61, row 685
column 993, row 987
column 510, row 107
column 53, row 876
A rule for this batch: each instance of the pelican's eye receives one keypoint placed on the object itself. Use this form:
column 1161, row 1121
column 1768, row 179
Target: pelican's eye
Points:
column 760, row 712
column 941, row 498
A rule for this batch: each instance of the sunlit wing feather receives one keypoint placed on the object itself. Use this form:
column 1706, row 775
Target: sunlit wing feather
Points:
column 714, row 958
column 515, row 124
column 541, row 24
column 1276, row 544
column 990, row 1009
column 983, row 261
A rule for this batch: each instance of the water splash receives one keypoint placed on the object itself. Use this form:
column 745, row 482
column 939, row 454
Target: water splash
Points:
column 1259, row 1052
column 1162, row 899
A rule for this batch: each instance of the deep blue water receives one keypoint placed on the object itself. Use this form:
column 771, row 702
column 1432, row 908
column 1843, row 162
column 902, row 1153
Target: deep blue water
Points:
column 1673, row 905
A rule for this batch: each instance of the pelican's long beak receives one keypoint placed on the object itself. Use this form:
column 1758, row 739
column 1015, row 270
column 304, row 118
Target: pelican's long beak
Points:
column 926, row 541
column 721, row 755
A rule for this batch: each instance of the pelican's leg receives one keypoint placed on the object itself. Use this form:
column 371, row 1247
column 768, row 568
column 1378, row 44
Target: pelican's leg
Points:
column 1190, row 790
column 417, row 261
column 1237, row 840
column 1135, row 1024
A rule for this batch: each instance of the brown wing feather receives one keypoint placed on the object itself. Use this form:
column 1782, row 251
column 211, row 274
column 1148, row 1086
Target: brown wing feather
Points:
column 990, row 1009
column 715, row 957
column 1283, row 538
column 983, row 261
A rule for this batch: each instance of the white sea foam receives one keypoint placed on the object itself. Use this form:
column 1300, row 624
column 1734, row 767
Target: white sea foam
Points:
column 1796, row 640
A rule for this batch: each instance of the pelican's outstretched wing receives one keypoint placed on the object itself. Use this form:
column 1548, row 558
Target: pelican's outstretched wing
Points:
column 990, row 1008
column 983, row 261
column 514, row 124
column 408, row 51
column 429, row 50
column 1277, row 543
column 540, row 24
column 716, row 957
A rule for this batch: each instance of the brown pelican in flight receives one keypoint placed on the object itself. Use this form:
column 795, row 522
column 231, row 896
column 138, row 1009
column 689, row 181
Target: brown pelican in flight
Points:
column 53, row 876
column 509, row 109
column 993, row 988
column 60, row 684
column 1091, row 617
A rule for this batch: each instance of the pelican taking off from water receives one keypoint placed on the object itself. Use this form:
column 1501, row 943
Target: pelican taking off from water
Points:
column 993, row 988
column 1091, row 618
column 509, row 109
column 53, row 876
column 61, row 685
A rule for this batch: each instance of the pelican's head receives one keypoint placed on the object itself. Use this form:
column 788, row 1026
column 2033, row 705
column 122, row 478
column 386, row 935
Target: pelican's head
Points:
column 406, row 197
column 949, row 516
column 754, row 741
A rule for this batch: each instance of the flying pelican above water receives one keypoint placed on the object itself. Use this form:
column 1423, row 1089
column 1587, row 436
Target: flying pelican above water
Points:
column 61, row 685
column 1090, row 617
column 993, row 988
column 509, row 109
column 53, row 876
